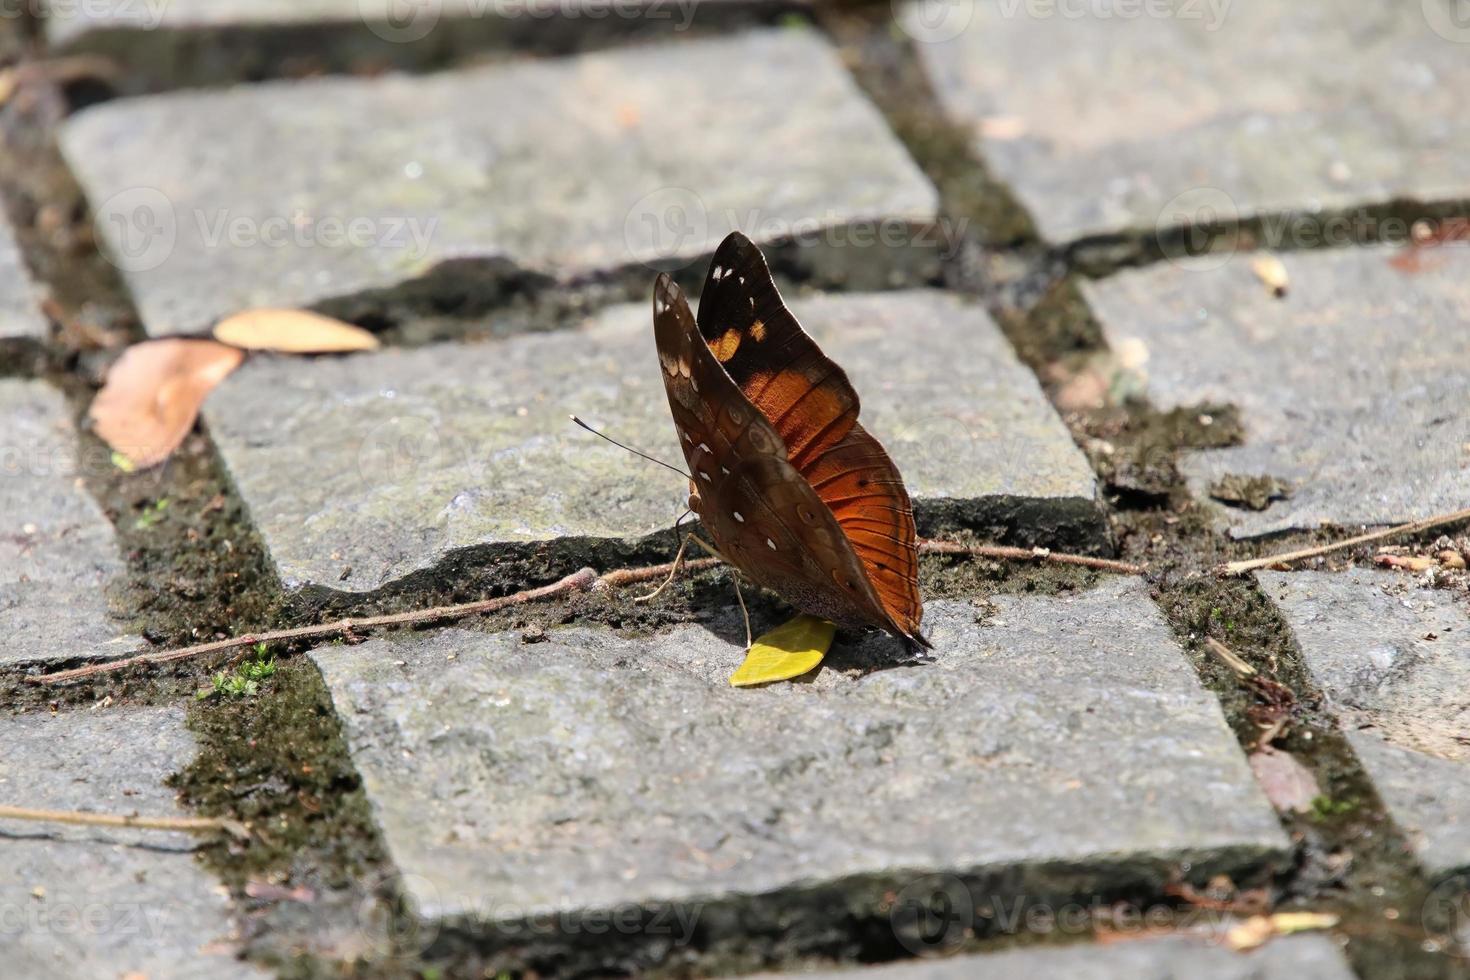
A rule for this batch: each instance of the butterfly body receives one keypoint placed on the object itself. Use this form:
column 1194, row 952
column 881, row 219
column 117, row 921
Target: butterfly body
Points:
column 794, row 492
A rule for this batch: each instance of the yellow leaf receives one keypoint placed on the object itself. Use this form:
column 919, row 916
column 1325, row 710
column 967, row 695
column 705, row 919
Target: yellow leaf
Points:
column 788, row 651
column 292, row 332
column 1259, row 928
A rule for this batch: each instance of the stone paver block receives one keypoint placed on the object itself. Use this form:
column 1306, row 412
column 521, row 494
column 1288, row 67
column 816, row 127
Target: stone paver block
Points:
column 594, row 771
column 58, row 552
column 579, row 171
column 1310, row 957
column 361, row 471
column 84, row 902
column 20, row 319
column 1351, row 388
column 1399, row 694
column 1105, row 124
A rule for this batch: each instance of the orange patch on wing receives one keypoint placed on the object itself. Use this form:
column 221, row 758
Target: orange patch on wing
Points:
column 758, row 330
column 725, row 346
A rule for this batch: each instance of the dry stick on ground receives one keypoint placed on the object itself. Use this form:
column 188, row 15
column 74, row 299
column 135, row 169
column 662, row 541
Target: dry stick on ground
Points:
column 1241, row 567
column 581, row 581
column 190, row 825
column 1027, row 554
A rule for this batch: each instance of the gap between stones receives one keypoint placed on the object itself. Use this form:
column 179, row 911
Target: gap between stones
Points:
column 167, row 59
column 1029, row 289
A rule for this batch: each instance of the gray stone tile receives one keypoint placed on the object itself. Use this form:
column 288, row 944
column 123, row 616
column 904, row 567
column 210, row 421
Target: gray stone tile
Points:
column 83, row 902
column 1104, row 125
column 595, row 772
column 364, row 470
column 57, row 550
column 20, row 318
column 401, row 184
column 1309, row 957
column 1399, row 694
column 1351, row 388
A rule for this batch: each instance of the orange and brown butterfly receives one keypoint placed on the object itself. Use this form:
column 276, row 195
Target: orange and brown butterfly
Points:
column 794, row 491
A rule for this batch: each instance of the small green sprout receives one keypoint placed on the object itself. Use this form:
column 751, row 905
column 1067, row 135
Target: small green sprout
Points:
column 1325, row 807
column 152, row 514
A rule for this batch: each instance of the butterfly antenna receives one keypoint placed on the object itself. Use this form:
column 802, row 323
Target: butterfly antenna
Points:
column 651, row 459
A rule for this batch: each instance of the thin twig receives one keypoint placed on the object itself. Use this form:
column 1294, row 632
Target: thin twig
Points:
column 1028, row 554
column 1229, row 657
column 580, row 581
column 576, row 582
column 188, row 825
column 1241, row 567
column 635, row 576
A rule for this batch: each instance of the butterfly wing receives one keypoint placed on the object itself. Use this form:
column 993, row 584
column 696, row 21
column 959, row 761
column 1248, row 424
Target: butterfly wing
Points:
column 813, row 407
column 762, row 513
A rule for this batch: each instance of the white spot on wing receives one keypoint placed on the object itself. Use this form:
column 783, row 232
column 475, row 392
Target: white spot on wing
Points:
column 770, row 544
column 705, row 476
column 739, row 518
column 704, row 446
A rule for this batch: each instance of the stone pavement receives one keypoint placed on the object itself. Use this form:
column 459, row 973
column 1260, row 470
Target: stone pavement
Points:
column 365, row 470
column 576, row 174
column 58, row 554
column 640, row 778
column 19, row 317
column 580, row 792
column 1108, row 125
column 1294, row 958
column 1395, row 661
column 1327, row 379
column 84, row 902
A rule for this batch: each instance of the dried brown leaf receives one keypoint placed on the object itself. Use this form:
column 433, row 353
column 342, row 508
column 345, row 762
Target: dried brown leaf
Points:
column 292, row 332
column 1289, row 785
column 153, row 393
column 1409, row 563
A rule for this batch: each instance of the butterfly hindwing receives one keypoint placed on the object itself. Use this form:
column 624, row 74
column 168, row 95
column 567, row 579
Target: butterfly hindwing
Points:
column 813, row 407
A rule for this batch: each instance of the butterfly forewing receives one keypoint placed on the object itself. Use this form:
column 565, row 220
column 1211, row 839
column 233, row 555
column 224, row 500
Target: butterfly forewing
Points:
column 812, row 405
column 783, row 372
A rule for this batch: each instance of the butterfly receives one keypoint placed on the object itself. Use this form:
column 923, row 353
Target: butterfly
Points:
column 796, row 494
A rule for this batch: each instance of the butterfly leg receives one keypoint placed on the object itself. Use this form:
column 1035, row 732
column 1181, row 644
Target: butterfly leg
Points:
column 678, row 564
column 749, row 642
